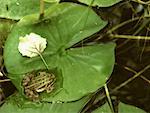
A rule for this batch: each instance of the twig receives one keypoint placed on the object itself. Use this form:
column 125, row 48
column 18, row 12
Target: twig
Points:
column 142, row 2
column 126, row 22
column 109, row 98
column 5, row 80
column 130, row 79
column 133, row 71
column 131, row 37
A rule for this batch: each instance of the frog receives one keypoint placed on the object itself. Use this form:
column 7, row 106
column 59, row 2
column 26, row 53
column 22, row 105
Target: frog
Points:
column 36, row 83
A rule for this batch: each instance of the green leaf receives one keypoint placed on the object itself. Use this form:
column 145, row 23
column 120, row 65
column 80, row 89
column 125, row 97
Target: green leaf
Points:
column 17, row 104
column 83, row 69
column 16, row 9
column 123, row 108
column 100, row 3
column 62, row 30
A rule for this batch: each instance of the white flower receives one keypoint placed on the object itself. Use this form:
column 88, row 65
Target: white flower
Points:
column 31, row 45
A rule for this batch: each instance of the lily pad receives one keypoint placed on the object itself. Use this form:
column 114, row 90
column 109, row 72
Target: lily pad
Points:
column 16, row 9
column 100, row 3
column 84, row 69
column 16, row 104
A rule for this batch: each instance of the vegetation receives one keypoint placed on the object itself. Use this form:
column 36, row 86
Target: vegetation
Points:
column 85, row 56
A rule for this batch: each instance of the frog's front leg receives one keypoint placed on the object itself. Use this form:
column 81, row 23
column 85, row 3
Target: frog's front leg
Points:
column 31, row 94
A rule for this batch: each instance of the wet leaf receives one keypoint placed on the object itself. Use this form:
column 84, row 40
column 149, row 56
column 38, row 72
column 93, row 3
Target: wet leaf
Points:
column 17, row 104
column 16, row 9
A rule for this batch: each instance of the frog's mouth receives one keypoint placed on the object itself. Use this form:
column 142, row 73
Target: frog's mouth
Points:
column 35, row 83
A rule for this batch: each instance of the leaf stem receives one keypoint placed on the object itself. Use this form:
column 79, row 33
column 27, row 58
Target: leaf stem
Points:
column 43, row 60
column 38, row 52
column 41, row 9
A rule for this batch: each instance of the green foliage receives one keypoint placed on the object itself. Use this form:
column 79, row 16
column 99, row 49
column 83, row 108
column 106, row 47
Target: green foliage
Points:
column 123, row 108
column 16, row 104
column 79, row 71
column 16, row 9
column 84, row 69
column 100, row 3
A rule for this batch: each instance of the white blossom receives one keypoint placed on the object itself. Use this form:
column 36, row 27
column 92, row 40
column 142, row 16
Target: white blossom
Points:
column 31, row 45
